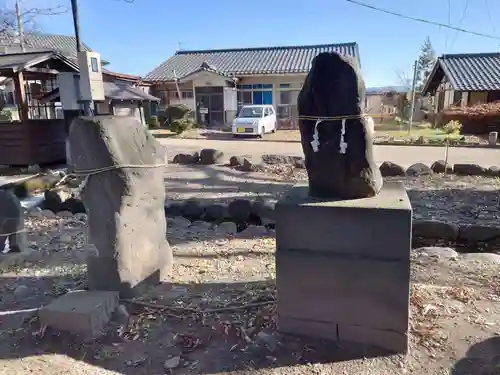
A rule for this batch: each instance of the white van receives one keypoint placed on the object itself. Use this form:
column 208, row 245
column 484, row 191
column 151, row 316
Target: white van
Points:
column 255, row 120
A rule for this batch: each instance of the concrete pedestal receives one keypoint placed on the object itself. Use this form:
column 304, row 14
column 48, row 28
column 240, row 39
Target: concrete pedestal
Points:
column 343, row 267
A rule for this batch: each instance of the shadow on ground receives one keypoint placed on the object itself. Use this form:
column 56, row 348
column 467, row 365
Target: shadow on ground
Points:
column 481, row 358
column 238, row 340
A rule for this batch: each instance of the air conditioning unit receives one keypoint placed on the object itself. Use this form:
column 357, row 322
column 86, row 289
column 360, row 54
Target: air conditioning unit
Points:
column 91, row 85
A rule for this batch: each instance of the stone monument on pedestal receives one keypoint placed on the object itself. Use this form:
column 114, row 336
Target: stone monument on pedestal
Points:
column 124, row 195
column 342, row 242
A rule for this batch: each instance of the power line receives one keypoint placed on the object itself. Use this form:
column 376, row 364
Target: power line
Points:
column 423, row 20
column 460, row 22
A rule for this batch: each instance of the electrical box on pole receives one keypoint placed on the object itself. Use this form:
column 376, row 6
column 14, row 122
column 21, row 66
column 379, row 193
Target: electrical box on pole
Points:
column 91, row 84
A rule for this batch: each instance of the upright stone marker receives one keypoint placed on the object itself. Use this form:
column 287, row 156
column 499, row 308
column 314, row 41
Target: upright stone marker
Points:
column 338, row 153
column 125, row 204
column 342, row 242
column 11, row 222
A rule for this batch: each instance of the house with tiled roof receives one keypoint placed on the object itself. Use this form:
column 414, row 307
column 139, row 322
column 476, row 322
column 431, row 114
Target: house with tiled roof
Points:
column 215, row 83
column 122, row 95
column 464, row 79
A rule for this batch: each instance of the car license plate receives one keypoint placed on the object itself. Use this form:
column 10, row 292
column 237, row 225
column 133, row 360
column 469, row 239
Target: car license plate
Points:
column 240, row 130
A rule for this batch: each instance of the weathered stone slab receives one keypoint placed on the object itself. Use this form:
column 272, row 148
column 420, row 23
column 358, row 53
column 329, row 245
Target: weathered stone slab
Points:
column 84, row 313
column 11, row 222
column 341, row 265
column 124, row 202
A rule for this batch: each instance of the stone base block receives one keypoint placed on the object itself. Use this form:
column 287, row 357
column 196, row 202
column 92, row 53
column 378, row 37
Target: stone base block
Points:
column 84, row 313
column 343, row 268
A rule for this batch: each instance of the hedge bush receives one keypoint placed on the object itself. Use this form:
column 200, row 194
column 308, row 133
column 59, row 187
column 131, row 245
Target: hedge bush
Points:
column 181, row 125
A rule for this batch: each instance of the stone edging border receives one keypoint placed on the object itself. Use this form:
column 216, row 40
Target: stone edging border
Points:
column 387, row 168
column 256, row 217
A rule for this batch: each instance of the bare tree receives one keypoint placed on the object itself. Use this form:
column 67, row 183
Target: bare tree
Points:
column 28, row 16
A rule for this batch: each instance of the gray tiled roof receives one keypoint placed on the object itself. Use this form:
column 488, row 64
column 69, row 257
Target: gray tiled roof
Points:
column 470, row 72
column 64, row 44
column 19, row 61
column 112, row 91
column 248, row 61
column 115, row 91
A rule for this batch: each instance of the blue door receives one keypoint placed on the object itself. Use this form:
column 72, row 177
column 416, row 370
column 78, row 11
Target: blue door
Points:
column 257, row 97
column 267, row 97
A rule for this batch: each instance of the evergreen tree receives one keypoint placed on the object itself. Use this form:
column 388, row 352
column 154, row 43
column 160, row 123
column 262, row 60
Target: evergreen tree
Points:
column 425, row 63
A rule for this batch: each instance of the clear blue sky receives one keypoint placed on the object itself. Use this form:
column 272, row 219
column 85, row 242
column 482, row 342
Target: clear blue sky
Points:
column 136, row 37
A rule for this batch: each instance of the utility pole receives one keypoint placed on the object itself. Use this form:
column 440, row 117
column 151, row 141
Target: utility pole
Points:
column 20, row 26
column 413, row 95
column 76, row 23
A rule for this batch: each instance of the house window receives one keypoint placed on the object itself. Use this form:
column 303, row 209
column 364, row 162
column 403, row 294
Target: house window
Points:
column 257, row 93
column 187, row 94
column 285, row 97
column 94, row 64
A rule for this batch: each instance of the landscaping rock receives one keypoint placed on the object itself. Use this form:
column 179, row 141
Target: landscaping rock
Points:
column 236, row 161
column 390, row 169
column 54, row 198
column 209, row 156
column 439, row 167
column 439, row 252
column 273, row 159
column 418, row 169
column 173, row 209
column 216, row 212
column 200, row 226
column 472, row 234
column 73, row 205
column 469, row 170
column 227, row 227
column 65, row 214
column 180, row 222
column 253, row 231
column 435, row 229
column 240, row 210
column 187, row 158
column 192, row 210
column 172, row 363
column 48, row 214
column 493, row 171
column 22, row 291
column 300, row 163
column 267, row 340
column 264, row 207
column 482, row 257
column 247, row 165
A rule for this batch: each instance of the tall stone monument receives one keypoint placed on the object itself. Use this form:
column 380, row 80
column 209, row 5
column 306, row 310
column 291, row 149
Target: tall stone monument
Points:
column 342, row 241
column 124, row 194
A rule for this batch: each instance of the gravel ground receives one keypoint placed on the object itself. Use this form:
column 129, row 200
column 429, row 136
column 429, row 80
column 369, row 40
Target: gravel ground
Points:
column 459, row 199
column 455, row 315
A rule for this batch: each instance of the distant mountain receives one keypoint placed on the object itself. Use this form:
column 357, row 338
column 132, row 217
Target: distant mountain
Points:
column 382, row 89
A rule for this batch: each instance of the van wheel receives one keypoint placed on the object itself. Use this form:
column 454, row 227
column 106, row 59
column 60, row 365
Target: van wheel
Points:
column 274, row 129
column 262, row 132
